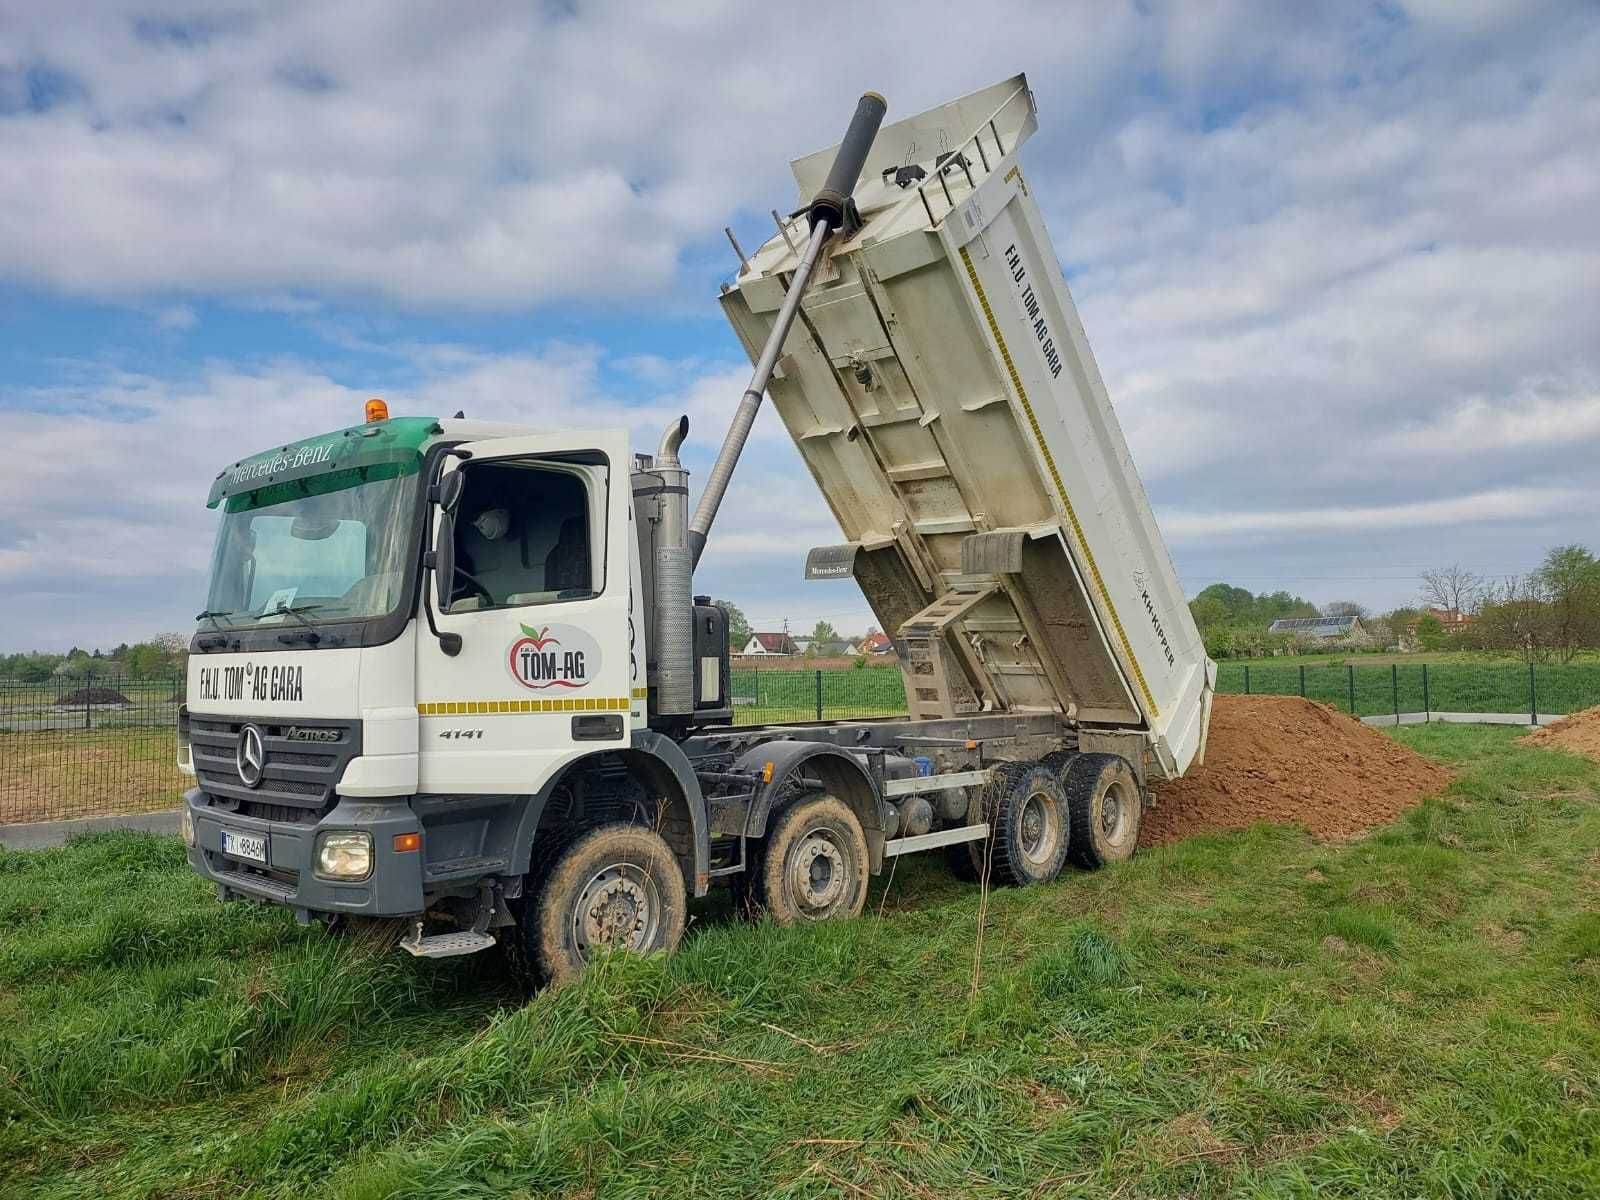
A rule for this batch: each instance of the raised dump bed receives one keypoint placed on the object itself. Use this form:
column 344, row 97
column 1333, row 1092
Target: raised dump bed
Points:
column 940, row 389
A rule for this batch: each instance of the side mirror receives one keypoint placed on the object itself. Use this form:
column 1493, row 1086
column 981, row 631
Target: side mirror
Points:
column 444, row 557
column 450, row 491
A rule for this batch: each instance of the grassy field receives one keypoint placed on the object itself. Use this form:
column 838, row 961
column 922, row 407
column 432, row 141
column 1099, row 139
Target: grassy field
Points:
column 1481, row 685
column 1413, row 1014
column 55, row 774
column 790, row 694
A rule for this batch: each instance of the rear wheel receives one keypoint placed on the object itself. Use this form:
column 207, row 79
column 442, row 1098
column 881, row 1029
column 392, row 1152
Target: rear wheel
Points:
column 813, row 866
column 616, row 887
column 1030, row 829
column 1106, row 806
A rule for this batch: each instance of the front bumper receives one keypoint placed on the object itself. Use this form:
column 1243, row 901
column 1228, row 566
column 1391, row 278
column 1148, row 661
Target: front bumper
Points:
column 394, row 889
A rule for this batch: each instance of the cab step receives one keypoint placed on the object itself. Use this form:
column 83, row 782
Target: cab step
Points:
column 445, row 945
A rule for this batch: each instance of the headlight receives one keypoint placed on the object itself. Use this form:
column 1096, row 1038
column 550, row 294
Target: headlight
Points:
column 344, row 855
column 186, row 825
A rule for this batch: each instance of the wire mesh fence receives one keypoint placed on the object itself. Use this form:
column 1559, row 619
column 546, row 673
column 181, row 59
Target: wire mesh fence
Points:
column 782, row 694
column 76, row 747
column 1545, row 689
column 83, row 747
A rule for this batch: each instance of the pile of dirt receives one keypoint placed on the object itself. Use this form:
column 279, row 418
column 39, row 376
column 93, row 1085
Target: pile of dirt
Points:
column 1579, row 733
column 1290, row 761
column 92, row 695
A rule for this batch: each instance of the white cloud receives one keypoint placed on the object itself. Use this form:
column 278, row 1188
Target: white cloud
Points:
column 180, row 318
column 1496, row 505
column 1337, row 262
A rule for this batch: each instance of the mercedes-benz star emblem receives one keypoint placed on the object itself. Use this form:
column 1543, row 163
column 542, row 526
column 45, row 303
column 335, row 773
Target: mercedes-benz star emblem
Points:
column 250, row 757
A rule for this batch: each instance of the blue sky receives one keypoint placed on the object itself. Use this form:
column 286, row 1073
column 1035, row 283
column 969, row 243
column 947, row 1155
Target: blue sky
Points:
column 1337, row 262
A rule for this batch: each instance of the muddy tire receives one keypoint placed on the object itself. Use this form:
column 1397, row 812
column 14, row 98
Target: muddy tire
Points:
column 1030, row 830
column 1106, row 807
column 616, row 887
column 813, row 865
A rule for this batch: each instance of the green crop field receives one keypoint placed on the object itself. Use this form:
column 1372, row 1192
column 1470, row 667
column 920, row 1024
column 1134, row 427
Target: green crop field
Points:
column 1411, row 1014
column 1483, row 685
column 791, row 695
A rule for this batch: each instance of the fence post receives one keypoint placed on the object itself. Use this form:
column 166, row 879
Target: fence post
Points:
column 86, row 724
column 819, row 695
column 1247, row 679
column 1302, row 681
column 1427, row 705
column 1394, row 688
column 1351, row 668
column 1533, row 697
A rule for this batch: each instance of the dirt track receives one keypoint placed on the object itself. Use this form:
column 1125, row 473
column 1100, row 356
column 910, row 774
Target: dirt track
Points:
column 1291, row 761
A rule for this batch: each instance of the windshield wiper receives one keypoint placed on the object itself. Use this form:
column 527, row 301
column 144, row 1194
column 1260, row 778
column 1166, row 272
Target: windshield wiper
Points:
column 213, row 613
column 298, row 612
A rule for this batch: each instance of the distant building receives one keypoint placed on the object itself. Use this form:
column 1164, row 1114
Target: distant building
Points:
column 839, row 649
column 877, row 643
column 1323, row 629
column 779, row 644
column 1451, row 620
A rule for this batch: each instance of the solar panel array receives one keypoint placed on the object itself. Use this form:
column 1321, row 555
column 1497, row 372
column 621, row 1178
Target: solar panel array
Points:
column 1321, row 626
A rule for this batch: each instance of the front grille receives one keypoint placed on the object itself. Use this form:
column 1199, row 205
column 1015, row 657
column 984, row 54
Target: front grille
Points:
column 295, row 778
column 277, row 812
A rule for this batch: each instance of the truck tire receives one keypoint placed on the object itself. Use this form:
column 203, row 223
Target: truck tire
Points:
column 813, row 865
column 615, row 886
column 1106, row 806
column 1030, row 830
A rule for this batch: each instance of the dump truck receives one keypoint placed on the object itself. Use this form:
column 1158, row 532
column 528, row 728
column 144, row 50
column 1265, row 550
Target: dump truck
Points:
column 454, row 674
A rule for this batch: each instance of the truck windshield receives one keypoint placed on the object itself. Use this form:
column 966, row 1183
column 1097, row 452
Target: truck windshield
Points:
column 333, row 549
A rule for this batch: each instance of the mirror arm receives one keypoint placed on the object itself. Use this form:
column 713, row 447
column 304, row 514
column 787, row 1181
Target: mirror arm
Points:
column 450, row 643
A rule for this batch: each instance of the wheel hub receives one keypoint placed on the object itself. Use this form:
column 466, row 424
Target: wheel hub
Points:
column 618, row 909
column 817, row 872
column 1037, row 828
column 1113, row 811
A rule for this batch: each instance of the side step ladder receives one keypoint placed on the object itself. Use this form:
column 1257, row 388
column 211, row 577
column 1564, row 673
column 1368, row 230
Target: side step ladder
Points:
column 930, row 688
column 445, row 945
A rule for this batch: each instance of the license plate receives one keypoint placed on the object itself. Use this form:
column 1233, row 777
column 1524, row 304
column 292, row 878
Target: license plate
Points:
column 245, row 845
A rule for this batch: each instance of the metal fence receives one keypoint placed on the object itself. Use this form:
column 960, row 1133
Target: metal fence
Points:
column 1538, row 691
column 74, row 747
column 787, row 694
column 83, row 747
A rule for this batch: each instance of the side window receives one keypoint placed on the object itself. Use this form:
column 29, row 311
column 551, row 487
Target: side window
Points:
column 526, row 533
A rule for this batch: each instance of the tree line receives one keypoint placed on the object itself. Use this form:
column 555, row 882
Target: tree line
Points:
column 160, row 657
column 1550, row 614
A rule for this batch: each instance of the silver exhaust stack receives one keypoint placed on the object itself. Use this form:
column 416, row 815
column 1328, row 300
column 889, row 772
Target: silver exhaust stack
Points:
column 671, row 619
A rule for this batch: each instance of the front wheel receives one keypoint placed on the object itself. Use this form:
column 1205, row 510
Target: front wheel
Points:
column 617, row 887
column 814, row 864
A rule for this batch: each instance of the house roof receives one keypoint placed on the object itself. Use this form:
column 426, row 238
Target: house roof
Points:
column 775, row 643
column 876, row 641
column 1328, row 627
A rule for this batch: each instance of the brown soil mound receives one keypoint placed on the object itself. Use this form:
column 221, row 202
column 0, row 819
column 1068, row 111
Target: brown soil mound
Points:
column 92, row 695
column 1579, row 733
column 1290, row 761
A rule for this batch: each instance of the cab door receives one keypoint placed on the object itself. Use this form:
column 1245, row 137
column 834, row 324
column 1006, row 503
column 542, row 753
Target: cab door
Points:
column 540, row 600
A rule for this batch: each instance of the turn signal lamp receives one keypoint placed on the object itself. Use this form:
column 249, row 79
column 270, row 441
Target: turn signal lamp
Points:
column 377, row 410
column 405, row 843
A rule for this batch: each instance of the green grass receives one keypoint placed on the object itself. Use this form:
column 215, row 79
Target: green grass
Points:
column 49, row 774
column 1412, row 1014
column 1481, row 686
